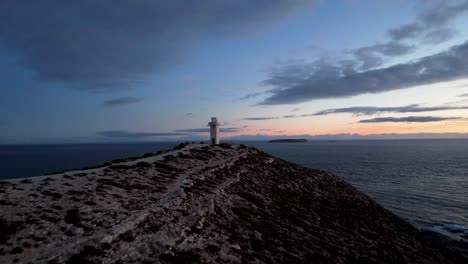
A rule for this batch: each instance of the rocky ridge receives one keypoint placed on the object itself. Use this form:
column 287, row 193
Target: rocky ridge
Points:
column 205, row 204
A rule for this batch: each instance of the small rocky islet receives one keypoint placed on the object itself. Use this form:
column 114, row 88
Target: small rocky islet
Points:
column 200, row 203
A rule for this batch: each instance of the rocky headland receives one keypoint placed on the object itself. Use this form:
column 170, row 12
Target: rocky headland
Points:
column 205, row 204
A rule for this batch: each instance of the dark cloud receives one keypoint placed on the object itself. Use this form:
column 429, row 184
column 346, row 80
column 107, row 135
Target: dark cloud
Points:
column 229, row 129
column 431, row 20
column 372, row 110
column 431, row 26
column 207, row 129
column 260, row 118
column 390, row 136
column 371, row 56
column 107, row 45
column 411, row 30
column 367, row 110
column 126, row 134
column 443, row 12
column 439, row 35
column 417, row 119
column 330, row 81
column 276, row 117
column 122, row 101
column 297, row 81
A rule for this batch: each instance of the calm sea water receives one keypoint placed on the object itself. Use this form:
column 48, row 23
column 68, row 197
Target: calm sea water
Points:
column 423, row 181
column 32, row 160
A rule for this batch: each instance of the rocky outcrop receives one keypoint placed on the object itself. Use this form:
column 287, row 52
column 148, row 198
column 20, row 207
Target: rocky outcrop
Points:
column 204, row 204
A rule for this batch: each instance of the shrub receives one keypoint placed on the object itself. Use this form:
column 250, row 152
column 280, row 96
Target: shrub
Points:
column 149, row 154
column 120, row 167
column 127, row 236
column 144, row 164
column 181, row 146
column 72, row 216
column 225, row 146
column 118, row 161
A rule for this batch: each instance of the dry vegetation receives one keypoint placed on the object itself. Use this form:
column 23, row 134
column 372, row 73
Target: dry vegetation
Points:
column 208, row 204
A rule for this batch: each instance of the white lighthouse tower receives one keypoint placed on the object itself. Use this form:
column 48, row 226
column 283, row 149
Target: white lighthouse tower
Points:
column 214, row 131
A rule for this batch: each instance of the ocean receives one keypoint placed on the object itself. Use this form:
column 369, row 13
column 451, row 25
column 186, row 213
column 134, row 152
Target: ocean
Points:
column 423, row 181
column 18, row 161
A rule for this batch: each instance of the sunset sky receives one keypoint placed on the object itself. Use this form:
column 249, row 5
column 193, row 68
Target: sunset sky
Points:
column 102, row 71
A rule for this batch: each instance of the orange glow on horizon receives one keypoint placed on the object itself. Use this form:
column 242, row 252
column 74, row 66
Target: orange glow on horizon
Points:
column 460, row 126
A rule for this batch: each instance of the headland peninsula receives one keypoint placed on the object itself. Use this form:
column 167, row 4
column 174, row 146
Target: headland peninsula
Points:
column 200, row 203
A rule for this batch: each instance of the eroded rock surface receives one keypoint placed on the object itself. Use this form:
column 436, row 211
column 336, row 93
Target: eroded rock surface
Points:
column 205, row 204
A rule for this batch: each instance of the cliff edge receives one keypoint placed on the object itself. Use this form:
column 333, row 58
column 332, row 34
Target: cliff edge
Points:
column 204, row 204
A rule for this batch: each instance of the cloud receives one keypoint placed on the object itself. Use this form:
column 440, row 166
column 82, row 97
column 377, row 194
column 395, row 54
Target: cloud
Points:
column 295, row 109
column 207, row 129
column 406, row 31
column 189, row 115
column 109, row 45
column 260, row 118
column 251, row 95
column 179, row 132
column 126, row 134
column 443, row 12
column 229, row 129
column 389, row 136
column 298, row 81
column 436, row 17
column 276, row 117
column 439, row 35
column 371, row 56
column 463, row 95
column 122, row 101
column 372, row 110
column 430, row 27
column 331, row 81
column 417, row 119
column 366, row 110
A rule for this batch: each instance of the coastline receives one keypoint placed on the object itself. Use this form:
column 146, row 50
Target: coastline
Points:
column 153, row 156
column 87, row 215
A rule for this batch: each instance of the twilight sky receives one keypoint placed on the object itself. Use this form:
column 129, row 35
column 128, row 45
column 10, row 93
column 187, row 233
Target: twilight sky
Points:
column 119, row 70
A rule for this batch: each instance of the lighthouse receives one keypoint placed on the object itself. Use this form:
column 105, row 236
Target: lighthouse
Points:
column 214, row 131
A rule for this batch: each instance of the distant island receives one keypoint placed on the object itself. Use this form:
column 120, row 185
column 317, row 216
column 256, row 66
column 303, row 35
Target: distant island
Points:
column 288, row 140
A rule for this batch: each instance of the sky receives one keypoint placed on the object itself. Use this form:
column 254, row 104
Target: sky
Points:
column 115, row 70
